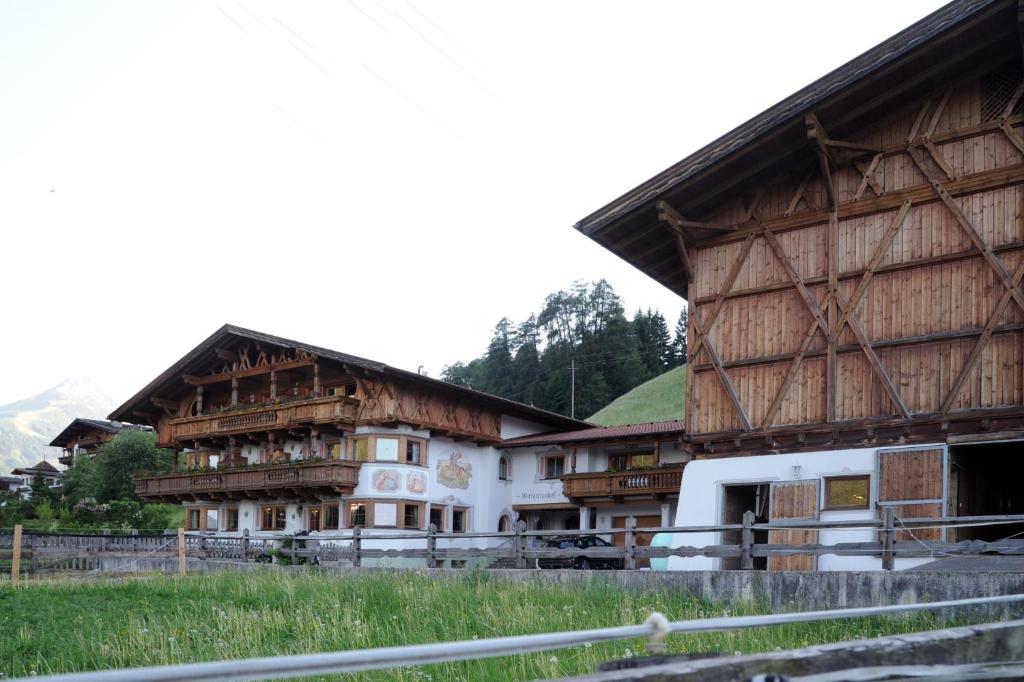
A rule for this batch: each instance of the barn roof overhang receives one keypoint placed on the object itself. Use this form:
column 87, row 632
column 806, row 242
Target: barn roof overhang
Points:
column 960, row 39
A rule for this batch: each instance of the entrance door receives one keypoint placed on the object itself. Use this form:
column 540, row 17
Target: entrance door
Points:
column 791, row 500
column 642, row 539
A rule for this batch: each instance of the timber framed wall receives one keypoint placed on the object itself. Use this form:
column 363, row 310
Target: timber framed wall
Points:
column 875, row 287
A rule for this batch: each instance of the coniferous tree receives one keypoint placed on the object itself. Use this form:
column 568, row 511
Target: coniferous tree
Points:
column 679, row 343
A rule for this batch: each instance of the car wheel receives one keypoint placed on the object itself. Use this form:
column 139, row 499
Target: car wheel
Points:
column 584, row 564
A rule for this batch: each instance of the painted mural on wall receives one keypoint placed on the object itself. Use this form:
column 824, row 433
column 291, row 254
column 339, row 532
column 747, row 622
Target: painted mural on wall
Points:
column 454, row 473
column 386, row 480
column 416, row 482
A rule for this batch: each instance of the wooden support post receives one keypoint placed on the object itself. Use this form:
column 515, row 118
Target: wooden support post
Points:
column 181, row 551
column 573, row 460
column 431, row 546
column 316, row 380
column 747, row 542
column 629, row 546
column 520, row 544
column 234, row 391
column 199, row 399
column 357, row 546
column 16, row 556
column 202, row 546
column 888, row 538
column 273, row 385
column 244, row 544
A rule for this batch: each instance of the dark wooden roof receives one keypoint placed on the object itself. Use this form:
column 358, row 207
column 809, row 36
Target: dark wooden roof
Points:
column 81, row 426
column 959, row 37
column 172, row 377
column 42, row 467
column 650, row 431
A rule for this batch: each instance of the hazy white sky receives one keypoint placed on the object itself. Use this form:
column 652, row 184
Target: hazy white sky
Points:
column 383, row 178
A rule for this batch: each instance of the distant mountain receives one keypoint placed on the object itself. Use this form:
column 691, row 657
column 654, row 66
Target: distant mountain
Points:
column 661, row 399
column 28, row 425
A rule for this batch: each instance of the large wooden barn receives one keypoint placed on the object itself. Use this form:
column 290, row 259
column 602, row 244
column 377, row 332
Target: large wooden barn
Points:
column 853, row 258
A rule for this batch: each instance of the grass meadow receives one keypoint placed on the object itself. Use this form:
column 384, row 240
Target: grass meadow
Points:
column 58, row 626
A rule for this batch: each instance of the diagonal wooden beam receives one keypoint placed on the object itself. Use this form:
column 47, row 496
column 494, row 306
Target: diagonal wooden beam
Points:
column 876, row 259
column 982, row 342
column 791, row 373
column 716, row 362
column 794, row 276
column 668, row 214
column 684, row 256
column 730, row 279
column 868, row 170
column 816, row 134
column 965, row 224
column 876, row 363
column 799, row 194
column 1004, row 119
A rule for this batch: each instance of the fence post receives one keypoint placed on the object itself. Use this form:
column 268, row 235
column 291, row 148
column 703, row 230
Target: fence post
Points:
column 295, row 541
column 181, row 551
column 16, row 556
column 357, row 546
column 135, row 540
column 747, row 542
column 519, row 543
column 432, row 546
column 244, row 544
column 629, row 546
column 105, row 543
column 888, row 538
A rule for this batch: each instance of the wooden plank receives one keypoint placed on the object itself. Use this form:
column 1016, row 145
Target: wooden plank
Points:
column 16, row 555
column 181, row 552
column 793, row 500
column 787, row 265
column 716, row 308
column 727, row 384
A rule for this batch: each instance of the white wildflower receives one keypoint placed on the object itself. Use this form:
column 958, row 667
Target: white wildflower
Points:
column 628, row 653
column 587, row 645
column 553, row 659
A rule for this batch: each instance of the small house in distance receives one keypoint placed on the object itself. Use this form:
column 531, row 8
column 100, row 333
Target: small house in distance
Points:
column 853, row 259
column 51, row 475
column 85, row 436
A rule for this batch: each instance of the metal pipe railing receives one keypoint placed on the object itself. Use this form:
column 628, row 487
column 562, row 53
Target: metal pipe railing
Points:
column 655, row 629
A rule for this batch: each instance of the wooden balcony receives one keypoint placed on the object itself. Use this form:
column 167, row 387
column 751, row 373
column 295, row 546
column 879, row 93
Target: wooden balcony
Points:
column 331, row 410
column 312, row 479
column 660, row 482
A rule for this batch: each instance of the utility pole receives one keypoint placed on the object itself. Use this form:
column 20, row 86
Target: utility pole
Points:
column 572, row 399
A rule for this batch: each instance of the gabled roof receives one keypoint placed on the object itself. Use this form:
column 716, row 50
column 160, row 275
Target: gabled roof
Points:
column 172, row 376
column 959, row 36
column 641, row 432
column 42, row 467
column 80, row 426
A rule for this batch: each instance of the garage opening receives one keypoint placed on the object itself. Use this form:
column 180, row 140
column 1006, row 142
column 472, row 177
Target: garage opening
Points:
column 737, row 500
column 985, row 480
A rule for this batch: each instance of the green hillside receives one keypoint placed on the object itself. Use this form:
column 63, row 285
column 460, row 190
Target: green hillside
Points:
column 660, row 399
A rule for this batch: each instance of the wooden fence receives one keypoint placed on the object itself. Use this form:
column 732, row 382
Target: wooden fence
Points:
column 35, row 551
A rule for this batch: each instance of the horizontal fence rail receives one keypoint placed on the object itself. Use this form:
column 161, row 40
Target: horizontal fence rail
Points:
column 654, row 630
column 892, row 538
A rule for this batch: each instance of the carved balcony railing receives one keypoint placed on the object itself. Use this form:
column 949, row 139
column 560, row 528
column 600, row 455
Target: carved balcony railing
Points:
column 660, row 481
column 330, row 410
column 311, row 478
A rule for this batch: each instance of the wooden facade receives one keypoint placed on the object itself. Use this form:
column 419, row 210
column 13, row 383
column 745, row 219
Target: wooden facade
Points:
column 861, row 282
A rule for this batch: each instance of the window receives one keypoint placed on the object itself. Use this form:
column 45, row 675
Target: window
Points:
column 437, row 518
column 460, row 520
column 361, row 449
column 623, row 462
column 503, row 469
column 212, row 519
column 413, row 451
column 331, row 517
column 193, row 519
column 314, row 518
column 231, row 518
column 385, row 514
column 273, row 518
column 554, row 466
column 386, row 450
column 504, row 524
column 357, row 515
column 332, row 450
column 847, row 492
column 411, row 516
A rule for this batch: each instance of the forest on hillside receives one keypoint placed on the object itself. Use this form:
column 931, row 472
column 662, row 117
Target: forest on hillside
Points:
column 581, row 335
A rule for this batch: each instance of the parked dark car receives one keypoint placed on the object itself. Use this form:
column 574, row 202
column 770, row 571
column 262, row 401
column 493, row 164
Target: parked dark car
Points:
column 582, row 563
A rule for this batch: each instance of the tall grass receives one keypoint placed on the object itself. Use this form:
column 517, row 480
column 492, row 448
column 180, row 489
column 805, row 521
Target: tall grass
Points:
column 69, row 626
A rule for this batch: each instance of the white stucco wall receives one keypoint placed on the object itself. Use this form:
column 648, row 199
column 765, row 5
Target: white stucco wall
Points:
column 701, row 500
